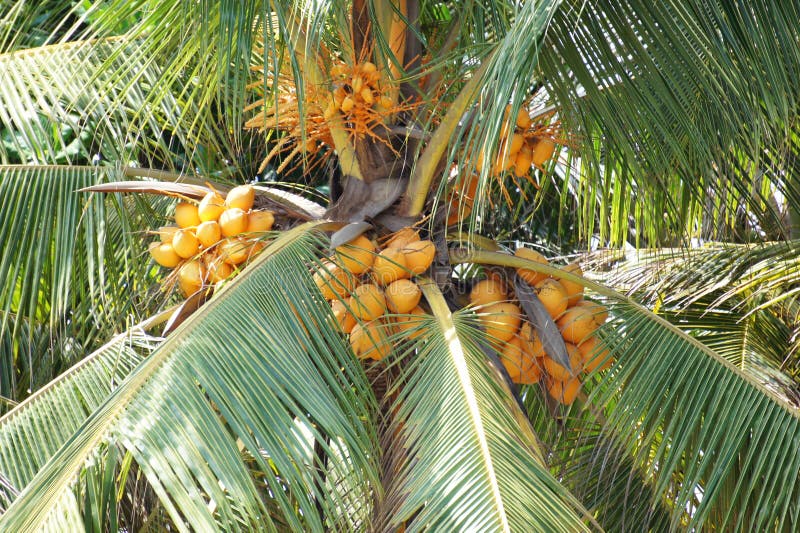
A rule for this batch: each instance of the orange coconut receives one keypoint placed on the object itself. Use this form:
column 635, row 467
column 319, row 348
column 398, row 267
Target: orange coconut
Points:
column 531, row 276
column 333, row 281
column 558, row 372
column 564, row 392
column 409, row 322
column 368, row 302
column 574, row 290
column 369, row 341
column 577, row 324
column 598, row 312
column 419, row 255
column 401, row 238
column 357, row 256
column 164, row 254
column 344, row 318
column 488, row 292
column 389, row 266
column 211, row 207
column 553, row 297
column 186, row 215
column 185, row 243
column 501, row 320
column 514, row 359
column 595, row 355
column 402, row 296
column 242, row 197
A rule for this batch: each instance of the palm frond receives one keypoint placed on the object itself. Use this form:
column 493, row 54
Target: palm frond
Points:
column 482, row 470
column 61, row 251
column 712, row 451
column 34, row 430
column 242, row 371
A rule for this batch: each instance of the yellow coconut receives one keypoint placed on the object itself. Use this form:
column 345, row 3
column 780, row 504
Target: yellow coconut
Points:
column 347, row 104
column 488, row 292
column 389, row 266
column 190, row 277
column 356, row 256
column 501, row 321
column 598, row 312
column 165, row 233
column 185, row 243
column 368, row 302
column 164, row 254
column 564, row 392
column 400, row 239
column 553, row 297
column 409, row 322
column 260, row 221
column 595, row 355
column 369, row 341
column 558, row 372
column 234, row 251
column 344, row 318
column 186, row 215
column 531, row 277
column 218, row 270
column 241, row 197
column 577, row 324
column 333, row 281
column 209, row 233
column 233, row 221
column 402, row 296
column 211, row 207
column 574, row 290
column 514, row 359
column 419, row 255
column 543, row 151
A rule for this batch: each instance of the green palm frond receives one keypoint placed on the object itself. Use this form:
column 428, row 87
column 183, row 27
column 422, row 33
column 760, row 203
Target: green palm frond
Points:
column 702, row 432
column 655, row 106
column 467, row 462
column 596, row 467
column 32, row 433
column 242, row 371
column 105, row 103
column 740, row 300
column 62, row 252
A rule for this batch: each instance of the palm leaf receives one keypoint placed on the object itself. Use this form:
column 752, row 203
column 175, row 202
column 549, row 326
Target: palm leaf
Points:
column 711, row 450
column 61, row 253
column 467, row 463
column 32, row 433
column 294, row 378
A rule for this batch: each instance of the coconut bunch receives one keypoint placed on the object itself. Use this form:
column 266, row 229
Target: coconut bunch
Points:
column 356, row 90
column 517, row 341
column 212, row 239
column 523, row 144
column 372, row 291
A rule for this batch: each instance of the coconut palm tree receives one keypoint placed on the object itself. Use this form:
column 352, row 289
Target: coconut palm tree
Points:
column 244, row 406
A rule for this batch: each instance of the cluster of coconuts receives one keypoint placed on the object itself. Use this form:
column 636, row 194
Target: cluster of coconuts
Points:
column 212, row 239
column 519, row 148
column 356, row 87
column 520, row 348
column 372, row 292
